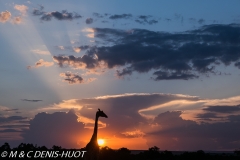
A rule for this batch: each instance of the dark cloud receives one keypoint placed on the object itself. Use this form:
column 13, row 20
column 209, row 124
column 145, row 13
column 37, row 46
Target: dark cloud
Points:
column 145, row 20
column 152, row 21
column 126, row 108
column 32, row 100
column 47, row 16
column 85, row 47
column 237, row 64
column 171, row 56
column 176, row 120
column 12, row 118
column 64, row 15
column 234, row 118
column 139, row 21
column 187, row 55
column 166, row 75
column 168, row 130
column 222, row 109
column 99, row 15
column 120, row 16
column 38, row 12
column 24, row 125
column 86, row 61
column 173, row 132
column 209, row 117
column 89, row 21
column 59, row 128
column 144, row 17
column 125, row 71
column 9, row 130
column 72, row 78
column 79, row 49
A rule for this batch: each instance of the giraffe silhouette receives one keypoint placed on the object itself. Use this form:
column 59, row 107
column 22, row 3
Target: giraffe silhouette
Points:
column 92, row 147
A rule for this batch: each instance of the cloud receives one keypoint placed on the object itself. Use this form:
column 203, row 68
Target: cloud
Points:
column 38, row 51
column 207, row 116
column 143, row 19
column 41, row 63
column 22, row 8
column 231, row 101
column 173, row 132
column 5, row 16
column 133, row 134
column 10, row 110
column 17, row 20
column 125, row 108
column 168, row 130
column 213, row 114
column 169, row 127
column 32, row 100
column 64, row 15
column 169, row 56
column 237, row 64
column 12, row 118
column 120, row 16
column 72, row 78
column 60, row 128
column 86, row 61
column 47, row 16
column 11, row 128
column 164, row 75
column 38, row 12
column 222, row 109
column 77, row 49
column 98, row 15
column 89, row 31
column 89, row 21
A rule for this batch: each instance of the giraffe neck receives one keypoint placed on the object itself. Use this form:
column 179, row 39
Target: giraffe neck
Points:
column 94, row 136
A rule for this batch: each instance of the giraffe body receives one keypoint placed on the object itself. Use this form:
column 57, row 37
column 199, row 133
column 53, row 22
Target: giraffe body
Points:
column 92, row 147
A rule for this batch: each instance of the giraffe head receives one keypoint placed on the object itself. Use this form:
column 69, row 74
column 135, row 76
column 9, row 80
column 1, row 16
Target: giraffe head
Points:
column 101, row 114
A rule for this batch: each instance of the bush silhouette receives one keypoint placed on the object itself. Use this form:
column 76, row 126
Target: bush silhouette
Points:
column 153, row 153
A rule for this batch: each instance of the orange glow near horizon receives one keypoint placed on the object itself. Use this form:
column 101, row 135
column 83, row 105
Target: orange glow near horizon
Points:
column 130, row 143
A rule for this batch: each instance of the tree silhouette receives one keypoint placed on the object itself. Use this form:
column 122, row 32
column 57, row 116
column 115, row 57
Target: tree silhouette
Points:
column 106, row 153
column 153, row 153
column 5, row 147
column 124, row 153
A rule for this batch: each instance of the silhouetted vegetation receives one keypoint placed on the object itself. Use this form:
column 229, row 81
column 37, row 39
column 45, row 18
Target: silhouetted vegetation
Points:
column 152, row 153
column 237, row 152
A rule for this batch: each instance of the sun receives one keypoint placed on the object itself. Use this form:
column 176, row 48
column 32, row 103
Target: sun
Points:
column 101, row 142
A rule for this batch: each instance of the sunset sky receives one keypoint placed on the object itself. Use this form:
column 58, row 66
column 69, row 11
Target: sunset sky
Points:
column 165, row 72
